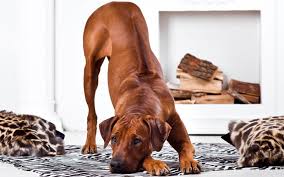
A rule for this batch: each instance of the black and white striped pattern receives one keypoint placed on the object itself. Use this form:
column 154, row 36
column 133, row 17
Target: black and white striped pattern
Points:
column 212, row 157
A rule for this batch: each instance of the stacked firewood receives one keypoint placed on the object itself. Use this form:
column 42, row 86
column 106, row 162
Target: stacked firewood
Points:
column 201, row 82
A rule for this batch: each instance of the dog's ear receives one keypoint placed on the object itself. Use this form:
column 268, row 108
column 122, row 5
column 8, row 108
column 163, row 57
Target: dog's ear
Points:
column 159, row 132
column 106, row 128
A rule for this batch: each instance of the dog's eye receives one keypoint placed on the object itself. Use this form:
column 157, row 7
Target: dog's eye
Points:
column 113, row 140
column 136, row 141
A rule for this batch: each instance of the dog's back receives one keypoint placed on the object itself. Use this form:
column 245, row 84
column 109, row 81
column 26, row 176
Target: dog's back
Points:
column 119, row 31
column 119, row 20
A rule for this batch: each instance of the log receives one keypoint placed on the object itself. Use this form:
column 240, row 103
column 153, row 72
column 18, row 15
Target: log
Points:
column 238, row 96
column 245, row 87
column 217, row 76
column 194, row 66
column 181, row 74
column 199, row 85
column 251, row 98
column 223, row 98
column 198, row 94
column 188, row 101
column 180, row 94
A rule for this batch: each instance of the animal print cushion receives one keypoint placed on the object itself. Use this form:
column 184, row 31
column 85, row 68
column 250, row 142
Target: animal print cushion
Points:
column 260, row 142
column 23, row 135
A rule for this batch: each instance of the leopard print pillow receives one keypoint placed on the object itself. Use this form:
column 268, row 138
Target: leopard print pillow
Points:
column 260, row 142
column 28, row 135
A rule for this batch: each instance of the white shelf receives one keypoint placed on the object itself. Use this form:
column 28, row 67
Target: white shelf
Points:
column 214, row 118
column 236, row 35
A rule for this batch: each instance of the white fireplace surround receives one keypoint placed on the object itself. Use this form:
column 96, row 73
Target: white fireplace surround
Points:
column 55, row 70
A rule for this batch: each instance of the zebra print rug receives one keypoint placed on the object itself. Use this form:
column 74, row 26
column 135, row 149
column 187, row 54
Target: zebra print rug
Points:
column 212, row 157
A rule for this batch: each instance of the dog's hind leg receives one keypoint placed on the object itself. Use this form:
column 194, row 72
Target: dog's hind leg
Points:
column 96, row 47
column 91, row 73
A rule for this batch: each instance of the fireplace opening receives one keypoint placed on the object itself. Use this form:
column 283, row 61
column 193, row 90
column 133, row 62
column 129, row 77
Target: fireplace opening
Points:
column 212, row 57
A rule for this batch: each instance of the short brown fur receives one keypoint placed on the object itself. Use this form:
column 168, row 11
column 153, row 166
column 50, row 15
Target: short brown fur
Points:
column 145, row 114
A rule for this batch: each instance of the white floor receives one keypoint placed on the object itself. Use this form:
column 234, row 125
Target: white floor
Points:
column 78, row 138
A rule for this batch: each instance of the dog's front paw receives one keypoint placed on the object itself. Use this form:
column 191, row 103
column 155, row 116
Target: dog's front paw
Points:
column 156, row 167
column 89, row 149
column 189, row 166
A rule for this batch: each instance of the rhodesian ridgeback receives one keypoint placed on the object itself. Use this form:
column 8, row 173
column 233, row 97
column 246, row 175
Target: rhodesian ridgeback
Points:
column 145, row 115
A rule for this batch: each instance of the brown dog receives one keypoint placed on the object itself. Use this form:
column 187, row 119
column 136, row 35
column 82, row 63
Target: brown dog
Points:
column 145, row 115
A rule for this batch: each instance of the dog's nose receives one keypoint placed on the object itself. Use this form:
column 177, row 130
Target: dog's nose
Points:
column 115, row 164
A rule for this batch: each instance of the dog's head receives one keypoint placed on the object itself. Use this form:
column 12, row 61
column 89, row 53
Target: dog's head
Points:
column 133, row 137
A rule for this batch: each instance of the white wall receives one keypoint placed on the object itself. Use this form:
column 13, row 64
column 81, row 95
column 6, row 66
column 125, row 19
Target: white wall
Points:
column 280, row 57
column 9, row 57
column 26, row 58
